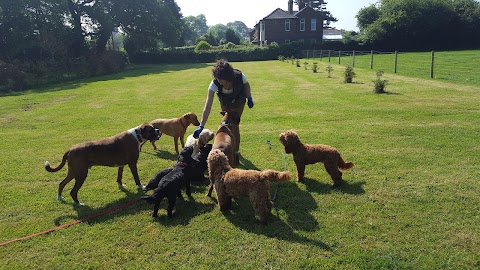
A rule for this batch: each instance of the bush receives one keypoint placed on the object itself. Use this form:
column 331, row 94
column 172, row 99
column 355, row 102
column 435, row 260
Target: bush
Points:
column 108, row 62
column 349, row 73
column 315, row 67
column 379, row 83
column 229, row 45
column 203, row 46
column 12, row 78
column 329, row 70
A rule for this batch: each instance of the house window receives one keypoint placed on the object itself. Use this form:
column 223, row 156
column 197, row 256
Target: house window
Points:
column 287, row 25
column 262, row 26
column 313, row 25
column 302, row 24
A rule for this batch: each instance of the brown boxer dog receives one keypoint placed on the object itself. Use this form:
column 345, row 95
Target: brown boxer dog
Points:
column 116, row 151
column 225, row 141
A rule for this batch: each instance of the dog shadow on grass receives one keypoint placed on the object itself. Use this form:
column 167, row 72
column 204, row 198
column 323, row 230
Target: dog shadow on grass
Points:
column 246, row 164
column 290, row 213
column 185, row 209
column 128, row 205
column 347, row 187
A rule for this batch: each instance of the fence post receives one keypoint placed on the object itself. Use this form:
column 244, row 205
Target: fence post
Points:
column 329, row 56
column 321, row 54
column 371, row 59
column 432, row 64
column 353, row 61
column 339, row 56
column 395, row 62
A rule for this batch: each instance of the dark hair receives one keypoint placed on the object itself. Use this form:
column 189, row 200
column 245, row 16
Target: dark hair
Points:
column 223, row 70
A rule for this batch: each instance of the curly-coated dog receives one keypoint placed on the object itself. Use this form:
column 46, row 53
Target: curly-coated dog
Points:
column 225, row 140
column 169, row 181
column 205, row 136
column 175, row 127
column 116, row 151
column 305, row 154
column 230, row 182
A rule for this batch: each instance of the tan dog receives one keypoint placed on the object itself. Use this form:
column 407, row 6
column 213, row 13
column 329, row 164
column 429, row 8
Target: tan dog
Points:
column 175, row 127
column 230, row 182
column 116, row 151
column 205, row 136
column 225, row 140
column 305, row 154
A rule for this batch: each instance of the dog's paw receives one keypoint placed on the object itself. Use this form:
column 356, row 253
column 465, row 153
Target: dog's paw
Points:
column 60, row 198
column 121, row 186
column 141, row 188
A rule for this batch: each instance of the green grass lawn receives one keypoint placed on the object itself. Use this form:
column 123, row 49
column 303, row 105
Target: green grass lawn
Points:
column 411, row 201
column 459, row 66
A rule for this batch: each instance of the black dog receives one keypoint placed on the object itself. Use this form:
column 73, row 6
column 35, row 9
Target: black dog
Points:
column 169, row 182
column 200, row 164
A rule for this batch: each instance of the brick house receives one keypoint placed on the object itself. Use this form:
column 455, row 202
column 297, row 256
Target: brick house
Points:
column 305, row 25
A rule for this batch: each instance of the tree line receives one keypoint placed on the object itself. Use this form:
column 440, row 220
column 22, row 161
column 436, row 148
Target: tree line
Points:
column 419, row 25
column 45, row 41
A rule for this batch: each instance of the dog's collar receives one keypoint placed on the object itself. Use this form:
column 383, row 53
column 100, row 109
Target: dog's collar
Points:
column 136, row 134
column 183, row 164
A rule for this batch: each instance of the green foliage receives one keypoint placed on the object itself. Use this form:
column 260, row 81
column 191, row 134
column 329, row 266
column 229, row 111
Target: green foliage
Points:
column 315, row 67
column 203, row 46
column 329, row 70
column 305, row 64
column 297, row 61
column 420, row 24
column 348, row 74
column 229, row 46
column 379, row 83
column 210, row 37
column 231, row 37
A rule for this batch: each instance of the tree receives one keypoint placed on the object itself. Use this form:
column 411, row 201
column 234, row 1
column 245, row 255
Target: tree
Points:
column 155, row 20
column 218, row 30
column 367, row 16
column 421, row 24
column 195, row 26
column 240, row 29
column 230, row 36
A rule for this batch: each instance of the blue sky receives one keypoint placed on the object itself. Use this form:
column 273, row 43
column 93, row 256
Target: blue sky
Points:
column 251, row 11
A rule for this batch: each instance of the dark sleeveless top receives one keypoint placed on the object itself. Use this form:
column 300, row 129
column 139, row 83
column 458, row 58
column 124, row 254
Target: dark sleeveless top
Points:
column 238, row 94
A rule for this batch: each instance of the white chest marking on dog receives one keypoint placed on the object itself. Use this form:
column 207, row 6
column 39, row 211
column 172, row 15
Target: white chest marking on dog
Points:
column 138, row 138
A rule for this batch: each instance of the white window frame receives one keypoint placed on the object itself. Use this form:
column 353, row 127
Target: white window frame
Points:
column 287, row 25
column 313, row 25
column 302, row 25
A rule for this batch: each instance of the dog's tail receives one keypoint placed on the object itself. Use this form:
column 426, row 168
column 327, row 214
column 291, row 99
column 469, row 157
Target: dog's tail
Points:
column 275, row 176
column 345, row 165
column 59, row 167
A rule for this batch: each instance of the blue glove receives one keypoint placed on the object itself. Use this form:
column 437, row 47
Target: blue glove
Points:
column 250, row 102
column 197, row 132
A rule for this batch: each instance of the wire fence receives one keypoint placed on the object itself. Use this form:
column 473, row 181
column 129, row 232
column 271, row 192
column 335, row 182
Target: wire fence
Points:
column 458, row 66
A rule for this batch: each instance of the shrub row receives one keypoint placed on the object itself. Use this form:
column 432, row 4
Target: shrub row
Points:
column 23, row 73
column 189, row 55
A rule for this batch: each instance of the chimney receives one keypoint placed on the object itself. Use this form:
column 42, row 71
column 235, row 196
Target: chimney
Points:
column 290, row 6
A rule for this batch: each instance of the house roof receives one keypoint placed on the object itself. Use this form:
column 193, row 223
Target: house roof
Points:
column 279, row 14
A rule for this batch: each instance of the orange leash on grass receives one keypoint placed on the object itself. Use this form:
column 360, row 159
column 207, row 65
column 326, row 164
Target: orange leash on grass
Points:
column 113, row 209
